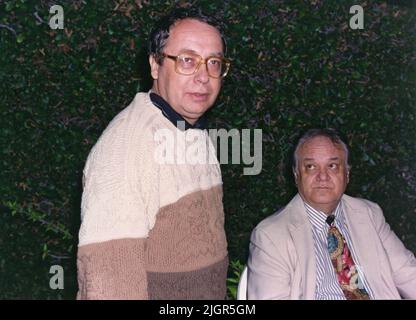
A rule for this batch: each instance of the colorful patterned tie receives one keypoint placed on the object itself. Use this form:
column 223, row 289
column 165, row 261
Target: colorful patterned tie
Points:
column 344, row 265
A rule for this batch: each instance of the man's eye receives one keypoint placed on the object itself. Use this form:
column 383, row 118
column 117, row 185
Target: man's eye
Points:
column 214, row 62
column 310, row 166
column 333, row 166
column 188, row 59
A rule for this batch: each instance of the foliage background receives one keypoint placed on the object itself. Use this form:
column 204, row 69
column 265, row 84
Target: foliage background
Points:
column 295, row 65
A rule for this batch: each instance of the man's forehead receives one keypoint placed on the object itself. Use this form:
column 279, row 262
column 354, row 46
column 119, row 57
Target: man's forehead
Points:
column 321, row 146
column 187, row 31
column 186, row 50
column 191, row 26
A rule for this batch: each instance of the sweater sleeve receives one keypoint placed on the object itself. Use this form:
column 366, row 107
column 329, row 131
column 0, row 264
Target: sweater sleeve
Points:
column 120, row 198
column 112, row 270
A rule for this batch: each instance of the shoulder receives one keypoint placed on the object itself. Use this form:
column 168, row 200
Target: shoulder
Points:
column 360, row 203
column 139, row 115
column 363, row 206
column 130, row 130
column 277, row 226
column 126, row 146
column 277, row 221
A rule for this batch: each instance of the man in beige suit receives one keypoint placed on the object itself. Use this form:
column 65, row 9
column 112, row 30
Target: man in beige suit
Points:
column 325, row 244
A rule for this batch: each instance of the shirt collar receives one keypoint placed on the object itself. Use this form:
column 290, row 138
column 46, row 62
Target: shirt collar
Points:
column 318, row 218
column 174, row 117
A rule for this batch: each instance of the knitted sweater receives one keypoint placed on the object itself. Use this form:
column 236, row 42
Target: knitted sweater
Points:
column 150, row 230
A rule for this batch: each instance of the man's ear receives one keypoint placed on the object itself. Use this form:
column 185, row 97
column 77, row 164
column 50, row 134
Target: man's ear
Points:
column 154, row 67
column 296, row 176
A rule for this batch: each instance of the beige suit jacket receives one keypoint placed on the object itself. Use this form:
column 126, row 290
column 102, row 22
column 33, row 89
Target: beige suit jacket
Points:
column 282, row 257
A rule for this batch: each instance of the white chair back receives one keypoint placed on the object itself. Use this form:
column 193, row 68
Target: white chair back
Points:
column 242, row 286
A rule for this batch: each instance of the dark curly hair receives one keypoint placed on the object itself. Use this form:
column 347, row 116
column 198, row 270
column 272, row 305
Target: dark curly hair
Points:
column 160, row 33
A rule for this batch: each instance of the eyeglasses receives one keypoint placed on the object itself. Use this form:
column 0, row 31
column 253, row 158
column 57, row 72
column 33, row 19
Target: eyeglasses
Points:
column 189, row 63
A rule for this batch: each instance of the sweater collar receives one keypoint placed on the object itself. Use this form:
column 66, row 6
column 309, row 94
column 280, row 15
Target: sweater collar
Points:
column 177, row 120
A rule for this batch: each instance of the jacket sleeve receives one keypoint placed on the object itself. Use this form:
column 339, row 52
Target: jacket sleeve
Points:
column 402, row 261
column 268, row 272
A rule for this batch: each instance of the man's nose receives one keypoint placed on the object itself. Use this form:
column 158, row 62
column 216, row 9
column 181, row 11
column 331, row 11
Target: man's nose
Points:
column 323, row 175
column 202, row 73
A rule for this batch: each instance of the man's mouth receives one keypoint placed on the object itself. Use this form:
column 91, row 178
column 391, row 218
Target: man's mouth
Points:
column 198, row 96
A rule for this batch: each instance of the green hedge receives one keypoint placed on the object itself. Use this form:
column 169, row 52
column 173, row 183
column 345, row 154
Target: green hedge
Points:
column 295, row 65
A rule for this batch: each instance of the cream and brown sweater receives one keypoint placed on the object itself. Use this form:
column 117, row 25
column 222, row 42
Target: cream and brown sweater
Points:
column 150, row 230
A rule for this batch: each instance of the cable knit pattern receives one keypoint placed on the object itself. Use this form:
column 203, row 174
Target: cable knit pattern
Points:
column 189, row 234
column 112, row 270
column 168, row 218
column 124, row 186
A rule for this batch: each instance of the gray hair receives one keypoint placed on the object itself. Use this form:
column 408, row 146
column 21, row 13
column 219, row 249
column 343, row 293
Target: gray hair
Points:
column 312, row 133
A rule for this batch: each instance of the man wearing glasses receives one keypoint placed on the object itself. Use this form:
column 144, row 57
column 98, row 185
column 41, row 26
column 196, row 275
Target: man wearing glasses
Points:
column 151, row 229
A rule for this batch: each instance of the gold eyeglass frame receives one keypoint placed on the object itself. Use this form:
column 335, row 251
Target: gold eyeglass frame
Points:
column 201, row 61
